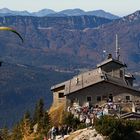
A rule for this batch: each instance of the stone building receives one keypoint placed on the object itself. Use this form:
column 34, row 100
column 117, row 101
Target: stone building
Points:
column 109, row 82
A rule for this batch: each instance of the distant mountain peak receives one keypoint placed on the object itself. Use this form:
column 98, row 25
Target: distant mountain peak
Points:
column 75, row 9
column 136, row 14
column 72, row 12
column 50, row 12
column 5, row 10
column 46, row 10
column 43, row 12
column 102, row 13
column 132, row 17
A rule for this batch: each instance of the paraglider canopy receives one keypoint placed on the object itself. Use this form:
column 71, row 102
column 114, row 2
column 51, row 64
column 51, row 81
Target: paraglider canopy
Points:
column 12, row 30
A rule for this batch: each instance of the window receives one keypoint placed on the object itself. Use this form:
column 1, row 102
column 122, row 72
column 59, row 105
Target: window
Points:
column 128, row 98
column 98, row 98
column 88, row 99
column 61, row 95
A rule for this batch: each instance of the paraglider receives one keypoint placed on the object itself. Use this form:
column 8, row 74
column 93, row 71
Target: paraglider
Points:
column 12, row 30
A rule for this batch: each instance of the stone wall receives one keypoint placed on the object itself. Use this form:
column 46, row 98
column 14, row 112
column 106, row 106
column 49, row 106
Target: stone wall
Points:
column 103, row 90
column 56, row 100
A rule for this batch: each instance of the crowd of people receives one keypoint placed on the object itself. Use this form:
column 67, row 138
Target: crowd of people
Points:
column 88, row 114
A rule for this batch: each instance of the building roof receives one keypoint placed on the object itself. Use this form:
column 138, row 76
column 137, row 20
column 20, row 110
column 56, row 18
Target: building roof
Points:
column 121, row 84
column 59, row 85
column 93, row 77
column 70, row 87
column 83, row 80
column 90, row 78
column 111, row 61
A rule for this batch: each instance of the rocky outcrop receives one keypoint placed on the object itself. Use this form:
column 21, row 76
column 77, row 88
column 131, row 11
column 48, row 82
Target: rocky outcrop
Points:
column 85, row 134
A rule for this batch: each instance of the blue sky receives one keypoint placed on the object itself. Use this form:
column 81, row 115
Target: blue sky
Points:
column 118, row 7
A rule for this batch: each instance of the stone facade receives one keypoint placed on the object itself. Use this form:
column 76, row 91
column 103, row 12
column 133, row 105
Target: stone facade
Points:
column 101, row 92
column 58, row 96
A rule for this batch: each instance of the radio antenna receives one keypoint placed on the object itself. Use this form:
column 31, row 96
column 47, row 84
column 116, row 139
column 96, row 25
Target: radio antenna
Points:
column 117, row 48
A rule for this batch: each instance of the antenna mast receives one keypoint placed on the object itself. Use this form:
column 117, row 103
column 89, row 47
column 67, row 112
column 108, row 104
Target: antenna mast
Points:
column 117, row 48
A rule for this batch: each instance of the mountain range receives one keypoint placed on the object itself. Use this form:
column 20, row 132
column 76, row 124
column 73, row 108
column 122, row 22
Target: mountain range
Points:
column 69, row 42
column 49, row 12
column 54, row 49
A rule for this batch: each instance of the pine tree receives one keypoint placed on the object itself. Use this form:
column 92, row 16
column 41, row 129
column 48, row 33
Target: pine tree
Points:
column 39, row 112
column 46, row 123
column 40, row 115
column 35, row 114
column 16, row 132
column 4, row 133
column 41, row 118
column 26, row 126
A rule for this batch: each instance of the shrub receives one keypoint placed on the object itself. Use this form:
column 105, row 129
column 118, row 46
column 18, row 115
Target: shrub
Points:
column 71, row 121
column 81, row 126
column 116, row 129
